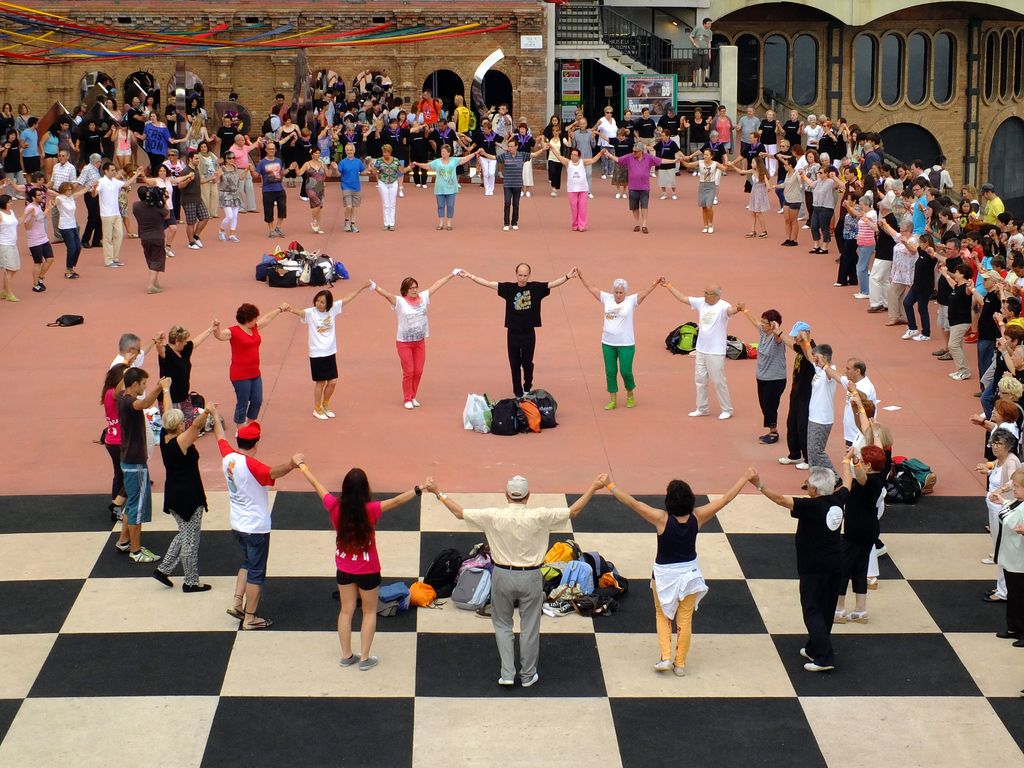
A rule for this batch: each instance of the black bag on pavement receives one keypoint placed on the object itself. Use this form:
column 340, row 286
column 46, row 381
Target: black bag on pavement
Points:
column 507, row 419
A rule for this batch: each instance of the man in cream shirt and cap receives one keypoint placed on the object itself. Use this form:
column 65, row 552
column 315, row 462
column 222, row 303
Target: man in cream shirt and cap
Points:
column 518, row 537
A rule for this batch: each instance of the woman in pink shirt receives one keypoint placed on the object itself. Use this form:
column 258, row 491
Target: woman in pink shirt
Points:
column 111, row 437
column 34, row 221
column 354, row 517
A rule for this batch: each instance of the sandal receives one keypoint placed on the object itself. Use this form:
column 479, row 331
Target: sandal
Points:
column 764, row 234
column 257, row 623
column 449, row 227
column 751, row 234
column 644, row 230
column 237, row 613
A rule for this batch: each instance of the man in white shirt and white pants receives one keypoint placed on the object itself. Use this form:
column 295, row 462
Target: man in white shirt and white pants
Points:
column 713, row 322
column 856, row 372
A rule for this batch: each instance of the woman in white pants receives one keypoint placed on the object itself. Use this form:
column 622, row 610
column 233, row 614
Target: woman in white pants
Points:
column 999, row 473
column 388, row 169
column 485, row 138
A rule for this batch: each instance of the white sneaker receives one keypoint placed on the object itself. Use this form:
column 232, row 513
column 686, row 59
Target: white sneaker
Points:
column 554, row 194
column 505, row 681
column 908, row 334
column 617, row 196
column 329, row 413
column 505, row 228
column 529, row 194
column 590, row 195
column 233, row 238
column 675, row 197
column 803, row 465
column 319, row 415
column 861, row 296
column 532, row 680
column 401, row 193
column 781, row 210
column 197, row 241
column 193, row 247
column 515, row 227
column 699, row 413
column 805, row 226
column 922, row 337
column 715, row 202
column 711, row 230
column 604, row 176
column 664, row 197
column 415, row 403
column 724, row 415
column 787, row 460
column 408, row 405
column 705, row 230
column 664, row 665
column 221, row 236
column 988, row 560
column 960, row 375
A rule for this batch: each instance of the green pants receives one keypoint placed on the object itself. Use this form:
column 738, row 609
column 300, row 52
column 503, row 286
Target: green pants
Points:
column 614, row 359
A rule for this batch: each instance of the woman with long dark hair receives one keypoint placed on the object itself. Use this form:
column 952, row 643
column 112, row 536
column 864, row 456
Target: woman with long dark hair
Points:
column 354, row 515
column 111, row 438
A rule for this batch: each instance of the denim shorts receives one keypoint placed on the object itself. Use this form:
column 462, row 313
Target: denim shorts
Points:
column 139, row 505
column 255, row 549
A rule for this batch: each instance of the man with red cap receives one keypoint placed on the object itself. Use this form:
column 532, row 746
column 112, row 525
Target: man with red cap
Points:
column 249, row 513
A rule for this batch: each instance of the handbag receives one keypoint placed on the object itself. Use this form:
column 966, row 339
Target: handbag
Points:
column 66, row 321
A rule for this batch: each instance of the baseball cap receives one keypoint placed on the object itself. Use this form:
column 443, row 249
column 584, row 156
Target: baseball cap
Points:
column 250, row 431
column 518, row 487
column 799, row 327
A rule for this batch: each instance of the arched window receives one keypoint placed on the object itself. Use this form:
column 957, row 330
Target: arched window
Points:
column 95, row 86
column 892, row 68
column 141, row 84
column 1006, row 163
column 1018, row 66
column 1005, row 57
column 917, row 68
column 865, row 59
column 444, row 85
column 990, row 64
column 943, row 58
column 805, row 70
column 776, row 66
column 497, row 89
column 748, row 63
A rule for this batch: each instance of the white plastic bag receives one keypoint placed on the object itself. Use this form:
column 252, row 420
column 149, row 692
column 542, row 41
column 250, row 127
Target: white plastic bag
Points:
column 476, row 414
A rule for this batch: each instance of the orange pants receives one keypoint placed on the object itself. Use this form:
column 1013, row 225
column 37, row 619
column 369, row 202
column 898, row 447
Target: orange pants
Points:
column 684, row 626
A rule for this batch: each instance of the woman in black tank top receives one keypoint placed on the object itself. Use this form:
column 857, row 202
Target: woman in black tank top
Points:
column 676, row 583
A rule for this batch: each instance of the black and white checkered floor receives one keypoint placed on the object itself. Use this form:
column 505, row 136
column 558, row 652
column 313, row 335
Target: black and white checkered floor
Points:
column 101, row 665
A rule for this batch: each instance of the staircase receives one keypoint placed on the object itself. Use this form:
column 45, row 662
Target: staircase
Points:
column 584, row 29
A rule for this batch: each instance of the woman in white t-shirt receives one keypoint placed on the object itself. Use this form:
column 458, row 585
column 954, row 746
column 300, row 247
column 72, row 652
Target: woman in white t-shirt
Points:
column 617, row 340
column 323, row 345
column 607, row 130
column 411, row 307
column 577, row 186
column 67, row 223
column 10, row 259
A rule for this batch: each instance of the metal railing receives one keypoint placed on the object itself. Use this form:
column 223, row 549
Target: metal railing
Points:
column 634, row 41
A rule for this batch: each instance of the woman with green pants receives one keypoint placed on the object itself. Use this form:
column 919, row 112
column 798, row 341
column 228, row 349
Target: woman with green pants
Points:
column 617, row 340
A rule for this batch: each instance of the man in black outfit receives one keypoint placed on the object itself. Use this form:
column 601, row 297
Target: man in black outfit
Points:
column 522, row 318
column 799, row 401
column 819, row 562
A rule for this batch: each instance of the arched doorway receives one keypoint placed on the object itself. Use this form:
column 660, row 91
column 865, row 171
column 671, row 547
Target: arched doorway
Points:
column 96, row 85
column 445, row 85
column 192, row 85
column 1006, row 164
column 904, row 142
column 141, row 84
column 497, row 89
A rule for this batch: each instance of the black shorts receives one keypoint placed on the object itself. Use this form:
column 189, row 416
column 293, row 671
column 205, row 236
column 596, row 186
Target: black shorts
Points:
column 365, row 581
column 269, row 200
column 794, row 206
column 324, row 368
column 155, row 253
column 40, row 252
column 31, row 164
column 638, row 198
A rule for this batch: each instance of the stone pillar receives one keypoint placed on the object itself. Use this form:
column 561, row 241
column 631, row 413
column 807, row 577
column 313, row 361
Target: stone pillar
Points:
column 728, row 77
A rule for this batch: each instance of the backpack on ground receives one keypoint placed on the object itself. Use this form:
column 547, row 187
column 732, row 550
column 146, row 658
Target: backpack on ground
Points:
column 580, row 574
column 552, row 578
column 546, row 404
column 393, row 599
column 563, row 552
column 422, row 595
column 531, row 413
column 735, row 349
column 443, row 572
column 263, row 268
column 473, row 589
column 902, row 487
column 922, row 473
column 479, row 557
column 682, row 340
column 507, row 418
column 340, row 273
column 598, row 564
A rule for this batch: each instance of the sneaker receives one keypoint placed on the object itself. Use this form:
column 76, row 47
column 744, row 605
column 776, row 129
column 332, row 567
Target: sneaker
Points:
column 144, row 556
column 803, row 652
column 197, row 241
column 408, row 405
column 675, row 197
column 781, row 210
column 555, row 194
column 506, row 681
column 604, row 176
column 664, row 665
column 960, row 375
column 630, row 401
column 705, row 230
column 861, row 296
column 317, row 414
column 505, row 228
column 810, row 666
column 698, row 413
column 988, row 560
column 368, row 663
column 881, row 551
column 192, row 246
column 872, row 582
column 664, row 197
column 38, row 288
column 303, row 198
column 233, row 238
column 944, row 356
column 922, row 337
column 787, row 460
column 724, row 415
column 326, row 411
column 971, row 338
column 354, row 228
column 169, row 252
column 515, row 227
column 770, row 439
column 590, row 195
column 415, row 403
column 909, row 334
column 803, row 465
column 221, row 236
column 939, row 352
column 711, row 230
column 617, row 196
column 679, row 671
column 123, row 547
column 278, row 232
column 350, row 661
column 529, row 194
column 532, row 680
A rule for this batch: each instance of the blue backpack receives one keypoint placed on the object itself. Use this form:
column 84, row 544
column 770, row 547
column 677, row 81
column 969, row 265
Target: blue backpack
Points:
column 579, row 573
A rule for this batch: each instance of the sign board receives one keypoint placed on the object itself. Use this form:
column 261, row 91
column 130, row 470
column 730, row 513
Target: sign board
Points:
column 656, row 92
column 571, row 90
column 531, row 42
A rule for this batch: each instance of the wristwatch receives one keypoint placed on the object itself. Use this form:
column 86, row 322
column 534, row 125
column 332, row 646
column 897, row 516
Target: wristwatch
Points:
column 419, row 491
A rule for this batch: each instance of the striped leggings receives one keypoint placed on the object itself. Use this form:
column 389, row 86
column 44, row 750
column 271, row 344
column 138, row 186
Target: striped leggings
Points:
column 185, row 548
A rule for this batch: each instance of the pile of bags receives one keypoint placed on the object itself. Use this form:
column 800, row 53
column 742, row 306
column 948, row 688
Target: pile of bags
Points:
column 580, row 582
column 296, row 267
column 533, row 412
column 683, row 340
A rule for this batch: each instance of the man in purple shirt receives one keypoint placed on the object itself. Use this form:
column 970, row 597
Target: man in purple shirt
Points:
column 638, row 166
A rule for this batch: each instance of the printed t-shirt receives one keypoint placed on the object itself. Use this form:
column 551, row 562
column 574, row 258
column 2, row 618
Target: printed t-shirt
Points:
column 272, row 171
column 522, row 305
column 412, row 318
column 323, row 338
column 356, row 562
column 618, row 320
column 248, row 480
column 713, row 321
column 818, row 546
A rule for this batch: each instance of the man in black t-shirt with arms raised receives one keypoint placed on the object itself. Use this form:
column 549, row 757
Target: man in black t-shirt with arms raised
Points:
column 522, row 317
column 818, row 556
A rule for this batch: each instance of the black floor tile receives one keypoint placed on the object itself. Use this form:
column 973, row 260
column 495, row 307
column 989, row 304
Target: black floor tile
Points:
column 1011, row 712
column 433, row 542
column 936, row 514
column 606, row 515
column 52, row 514
column 300, row 511
column 957, row 606
column 274, row 732
column 880, row 665
column 8, row 711
column 305, row 604
column 135, row 664
column 724, row 733
column 219, row 555
column 773, row 556
column 28, row 607
column 727, row 608
column 467, row 665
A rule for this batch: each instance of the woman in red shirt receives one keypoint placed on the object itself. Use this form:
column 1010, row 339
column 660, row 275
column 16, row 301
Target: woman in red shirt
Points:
column 354, row 516
column 245, row 358
column 112, row 386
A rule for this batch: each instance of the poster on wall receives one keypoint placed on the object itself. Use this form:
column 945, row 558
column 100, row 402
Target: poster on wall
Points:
column 656, row 92
column 571, row 88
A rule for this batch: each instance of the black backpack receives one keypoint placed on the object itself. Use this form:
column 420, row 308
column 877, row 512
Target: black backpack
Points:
column 547, row 405
column 443, row 572
column 902, row 487
column 507, row 419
